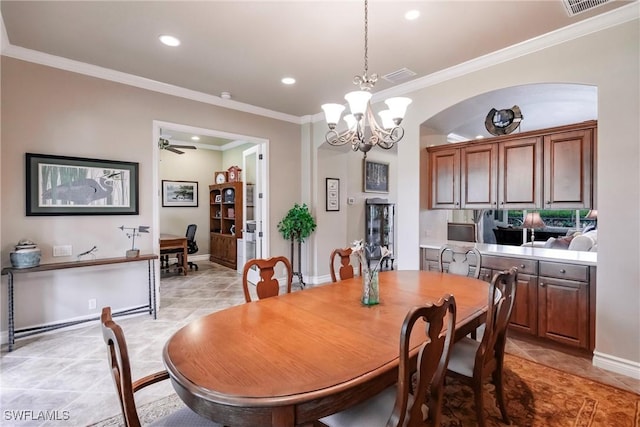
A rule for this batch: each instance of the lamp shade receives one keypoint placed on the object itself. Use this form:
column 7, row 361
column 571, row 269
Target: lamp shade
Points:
column 387, row 120
column 358, row 101
column 332, row 112
column 593, row 214
column 533, row 220
column 350, row 121
column 398, row 107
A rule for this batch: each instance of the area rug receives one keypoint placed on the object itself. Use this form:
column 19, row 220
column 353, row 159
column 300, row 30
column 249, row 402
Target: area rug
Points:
column 536, row 395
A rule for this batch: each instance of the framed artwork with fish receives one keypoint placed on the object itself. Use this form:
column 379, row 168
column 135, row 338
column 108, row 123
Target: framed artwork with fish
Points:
column 60, row 185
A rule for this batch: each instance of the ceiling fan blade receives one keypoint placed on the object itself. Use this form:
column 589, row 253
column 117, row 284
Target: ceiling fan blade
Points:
column 190, row 147
column 173, row 150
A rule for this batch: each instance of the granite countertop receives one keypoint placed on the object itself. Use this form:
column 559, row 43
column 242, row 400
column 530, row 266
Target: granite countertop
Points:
column 527, row 252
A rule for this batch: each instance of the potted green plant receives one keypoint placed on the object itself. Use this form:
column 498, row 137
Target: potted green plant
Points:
column 297, row 225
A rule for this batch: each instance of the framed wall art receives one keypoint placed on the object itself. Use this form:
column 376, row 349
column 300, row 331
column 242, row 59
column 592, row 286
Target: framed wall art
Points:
column 376, row 177
column 181, row 194
column 60, row 185
column 333, row 194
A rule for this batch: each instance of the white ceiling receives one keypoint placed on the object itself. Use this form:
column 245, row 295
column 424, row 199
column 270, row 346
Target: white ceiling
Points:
column 246, row 47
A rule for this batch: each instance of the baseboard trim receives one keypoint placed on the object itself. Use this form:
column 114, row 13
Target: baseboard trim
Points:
column 615, row 364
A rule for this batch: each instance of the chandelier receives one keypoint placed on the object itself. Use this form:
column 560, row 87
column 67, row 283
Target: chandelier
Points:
column 363, row 131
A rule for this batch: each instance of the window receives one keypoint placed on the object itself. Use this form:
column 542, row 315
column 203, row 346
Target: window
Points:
column 553, row 219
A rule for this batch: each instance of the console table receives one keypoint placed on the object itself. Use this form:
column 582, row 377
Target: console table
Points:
column 20, row 333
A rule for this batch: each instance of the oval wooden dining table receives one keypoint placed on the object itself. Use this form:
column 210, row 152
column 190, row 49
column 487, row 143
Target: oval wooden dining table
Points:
column 295, row 358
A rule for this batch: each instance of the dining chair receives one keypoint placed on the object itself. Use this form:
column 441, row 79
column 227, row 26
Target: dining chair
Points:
column 471, row 361
column 267, row 286
column 460, row 263
column 346, row 268
column 396, row 405
column 121, row 371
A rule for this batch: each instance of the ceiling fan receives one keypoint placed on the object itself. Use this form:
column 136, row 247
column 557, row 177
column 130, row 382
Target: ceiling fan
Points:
column 165, row 144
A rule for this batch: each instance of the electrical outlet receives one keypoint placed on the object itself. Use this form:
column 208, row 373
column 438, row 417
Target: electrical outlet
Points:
column 64, row 250
column 92, row 304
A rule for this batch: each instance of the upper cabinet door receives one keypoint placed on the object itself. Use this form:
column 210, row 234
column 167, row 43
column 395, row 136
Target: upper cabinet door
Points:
column 478, row 177
column 445, row 176
column 568, row 170
column 520, row 173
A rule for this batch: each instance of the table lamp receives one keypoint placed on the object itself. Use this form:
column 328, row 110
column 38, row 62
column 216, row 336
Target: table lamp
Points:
column 592, row 214
column 532, row 221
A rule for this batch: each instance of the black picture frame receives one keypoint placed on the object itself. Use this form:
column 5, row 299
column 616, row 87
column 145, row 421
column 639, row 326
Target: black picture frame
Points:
column 83, row 186
column 179, row 194
column 376, row 177
column 333, row 194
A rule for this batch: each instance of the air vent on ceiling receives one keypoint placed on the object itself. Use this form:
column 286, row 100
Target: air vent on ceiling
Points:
column 575, row 7
column 399, row 75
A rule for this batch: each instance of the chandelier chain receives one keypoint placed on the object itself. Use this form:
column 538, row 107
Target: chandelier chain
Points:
column 366, row 38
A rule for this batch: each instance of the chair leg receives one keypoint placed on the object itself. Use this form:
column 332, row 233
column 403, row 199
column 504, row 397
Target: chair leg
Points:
column 477, row 391
column 497, row 381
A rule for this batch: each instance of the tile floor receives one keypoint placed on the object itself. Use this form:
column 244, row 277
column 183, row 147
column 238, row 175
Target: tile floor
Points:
column 65, row 372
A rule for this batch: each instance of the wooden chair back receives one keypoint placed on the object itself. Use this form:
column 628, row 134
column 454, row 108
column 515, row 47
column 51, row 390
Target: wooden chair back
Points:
column 121, row 369
column 460, row 263
column 267, row 286
column 502, row 296
column 433, row 358
column 346, row 268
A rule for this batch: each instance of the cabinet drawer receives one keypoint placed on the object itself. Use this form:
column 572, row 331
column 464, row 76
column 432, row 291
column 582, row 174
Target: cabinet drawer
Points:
column 504, row 263
column 564, row 271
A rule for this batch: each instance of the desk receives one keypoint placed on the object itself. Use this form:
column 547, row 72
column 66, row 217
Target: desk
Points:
column 295, row 358
column 171, row 243
column 13, row 333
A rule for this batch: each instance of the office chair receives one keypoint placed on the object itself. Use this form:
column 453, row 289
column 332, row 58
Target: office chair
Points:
column 192, row 246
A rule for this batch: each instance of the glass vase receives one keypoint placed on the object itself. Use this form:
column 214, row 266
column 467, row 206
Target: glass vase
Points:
column 370, row 289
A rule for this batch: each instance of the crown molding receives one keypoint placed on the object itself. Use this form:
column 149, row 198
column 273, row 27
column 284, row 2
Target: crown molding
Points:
column 597, row 23
column 41, row 58
column 592, row 25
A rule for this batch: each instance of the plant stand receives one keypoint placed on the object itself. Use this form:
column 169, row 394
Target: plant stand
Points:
column 298, row 273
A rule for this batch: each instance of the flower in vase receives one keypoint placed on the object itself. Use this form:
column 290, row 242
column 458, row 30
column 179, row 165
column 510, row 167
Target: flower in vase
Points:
column 359, row 249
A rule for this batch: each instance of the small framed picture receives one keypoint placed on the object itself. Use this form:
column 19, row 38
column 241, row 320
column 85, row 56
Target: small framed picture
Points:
column 333, row 194
column 376, row 177
column 218, row 198
column 179, row 193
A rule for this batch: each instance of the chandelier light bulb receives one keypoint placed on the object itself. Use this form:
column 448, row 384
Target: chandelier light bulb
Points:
column 358, row 101
column 398, row 107
column 332, row 113
column 351, row 121
column 387, row 119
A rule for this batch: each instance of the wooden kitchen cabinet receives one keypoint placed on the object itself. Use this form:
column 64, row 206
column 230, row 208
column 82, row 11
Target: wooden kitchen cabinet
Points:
column 568, row 169
column 544, row 169
column 478, row 176
column 554, row 300
column 520, row 173
column 445, row 179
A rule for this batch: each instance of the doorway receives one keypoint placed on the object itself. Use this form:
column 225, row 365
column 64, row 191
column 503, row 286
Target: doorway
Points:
column 214, row 151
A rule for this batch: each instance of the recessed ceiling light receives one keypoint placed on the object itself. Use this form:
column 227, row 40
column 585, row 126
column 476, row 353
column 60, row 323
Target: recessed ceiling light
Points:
column 195, row 138
column 169, row 40
column 479, row 136
column 225, row 95
column 411, row 15
column 288, row 80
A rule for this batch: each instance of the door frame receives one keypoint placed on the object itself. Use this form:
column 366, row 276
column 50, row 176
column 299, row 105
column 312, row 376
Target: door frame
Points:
column 155, row 200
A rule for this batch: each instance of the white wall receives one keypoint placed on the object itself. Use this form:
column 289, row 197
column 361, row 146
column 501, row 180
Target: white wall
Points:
column 194, row 165
column 51, row 111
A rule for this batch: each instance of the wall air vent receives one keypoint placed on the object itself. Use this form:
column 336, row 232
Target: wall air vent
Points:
column 575, row 7
column 399, row 75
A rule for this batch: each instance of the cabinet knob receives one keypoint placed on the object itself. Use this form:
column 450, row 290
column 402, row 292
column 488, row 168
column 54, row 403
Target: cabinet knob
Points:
column 457, row 203
column 562, row 270
column 502, row 203
column 542, row 285
column 522, row 266
column 548, row 202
